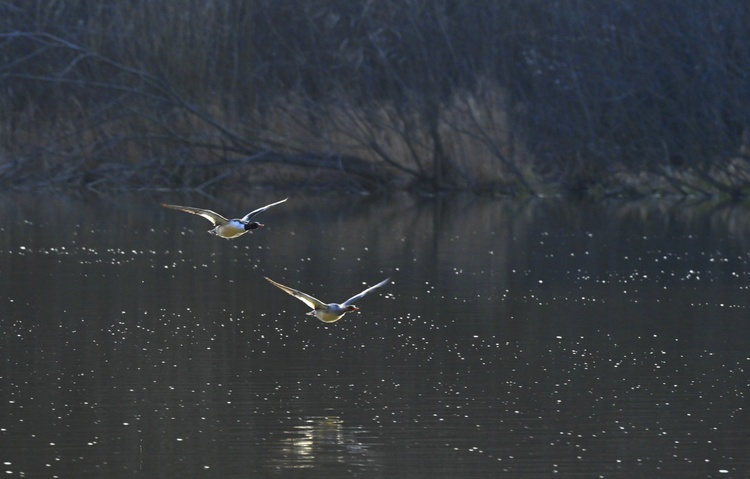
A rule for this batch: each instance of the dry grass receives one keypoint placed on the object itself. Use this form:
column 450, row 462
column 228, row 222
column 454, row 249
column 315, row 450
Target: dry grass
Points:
column 504, row 97
column 473, row 128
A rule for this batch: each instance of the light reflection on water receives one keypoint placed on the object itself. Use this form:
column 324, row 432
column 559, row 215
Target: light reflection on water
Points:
column 321, row 441
column 517, row 339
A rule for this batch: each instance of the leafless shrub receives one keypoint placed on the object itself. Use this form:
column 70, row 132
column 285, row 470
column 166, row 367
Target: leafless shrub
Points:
column 512, row 96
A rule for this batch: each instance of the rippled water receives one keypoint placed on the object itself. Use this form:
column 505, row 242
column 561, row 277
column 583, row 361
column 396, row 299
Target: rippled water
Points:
column 530, row 339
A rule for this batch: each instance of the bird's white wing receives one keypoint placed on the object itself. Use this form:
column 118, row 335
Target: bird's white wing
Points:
column 368, row 290
column 250, row 215
column 211, row 216
column 305, row 298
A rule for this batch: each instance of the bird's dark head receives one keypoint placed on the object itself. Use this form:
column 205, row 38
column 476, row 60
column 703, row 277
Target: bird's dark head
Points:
column 254, row 225
column 351, row 308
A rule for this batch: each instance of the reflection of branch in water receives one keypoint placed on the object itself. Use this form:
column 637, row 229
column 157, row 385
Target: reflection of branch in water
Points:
column 320, row 441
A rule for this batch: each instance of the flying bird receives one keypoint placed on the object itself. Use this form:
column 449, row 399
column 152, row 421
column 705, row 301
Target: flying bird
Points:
column 223, row 227
column 331, row 312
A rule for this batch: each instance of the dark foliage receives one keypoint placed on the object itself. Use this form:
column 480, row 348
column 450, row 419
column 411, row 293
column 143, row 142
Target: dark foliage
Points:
column 589, row 89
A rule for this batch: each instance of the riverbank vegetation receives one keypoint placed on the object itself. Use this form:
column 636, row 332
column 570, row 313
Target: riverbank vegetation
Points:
column 509, row 97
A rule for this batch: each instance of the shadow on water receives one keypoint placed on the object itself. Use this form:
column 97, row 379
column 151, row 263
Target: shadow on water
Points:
column 518, row 339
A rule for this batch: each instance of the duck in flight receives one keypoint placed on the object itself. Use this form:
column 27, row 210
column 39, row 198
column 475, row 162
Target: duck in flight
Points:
column 223, row 227
column 331, row 312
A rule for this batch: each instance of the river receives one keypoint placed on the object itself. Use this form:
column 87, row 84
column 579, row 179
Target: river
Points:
column 539, row 338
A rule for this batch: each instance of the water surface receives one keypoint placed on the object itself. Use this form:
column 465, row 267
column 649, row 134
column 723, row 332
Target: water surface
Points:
column 518, row 339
